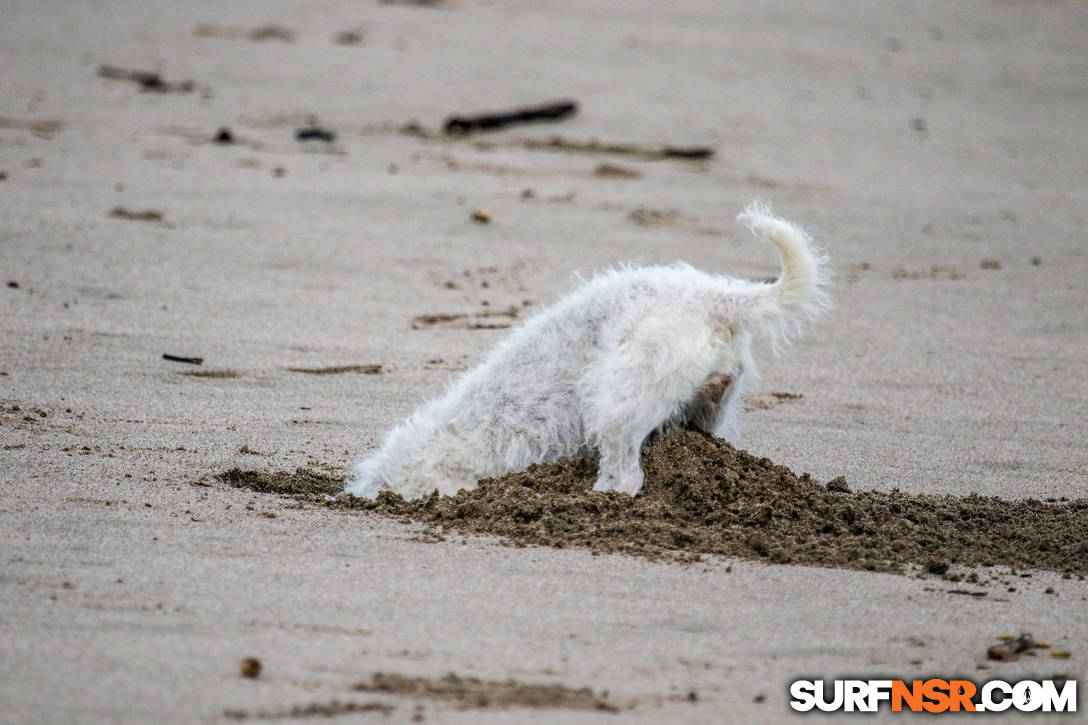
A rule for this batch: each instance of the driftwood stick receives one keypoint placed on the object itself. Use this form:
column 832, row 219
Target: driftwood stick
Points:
column 491, row 121
column 687, row 152
column 180, row 359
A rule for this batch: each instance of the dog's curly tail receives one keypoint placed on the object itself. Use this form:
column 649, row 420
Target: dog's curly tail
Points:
column 806, row 275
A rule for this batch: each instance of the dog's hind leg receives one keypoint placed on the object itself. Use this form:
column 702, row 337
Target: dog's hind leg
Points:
column 623, row 422
column 641, row 380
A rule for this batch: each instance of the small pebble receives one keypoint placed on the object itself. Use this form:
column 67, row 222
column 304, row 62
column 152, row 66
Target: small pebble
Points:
column 250, row 667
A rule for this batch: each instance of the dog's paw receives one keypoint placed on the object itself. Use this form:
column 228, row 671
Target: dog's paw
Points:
column 630, row 484
column 362, row 488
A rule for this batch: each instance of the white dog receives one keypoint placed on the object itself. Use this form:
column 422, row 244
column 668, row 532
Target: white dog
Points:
column 629, row 352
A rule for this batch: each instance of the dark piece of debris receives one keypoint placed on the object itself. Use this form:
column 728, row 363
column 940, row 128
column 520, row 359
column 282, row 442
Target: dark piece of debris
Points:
column 1010, row 649
column 250, row 667
column 687, row 152
column 147, row 80
column 224, row 136
column 145, row 215
column 315, row 133
column 182, row 359
column 492, row 121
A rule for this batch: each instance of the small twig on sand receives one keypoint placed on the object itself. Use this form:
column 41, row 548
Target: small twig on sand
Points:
column 315, row 133
column 491, row 121
column 687, row 152
column 146, row 215
column 180, row 359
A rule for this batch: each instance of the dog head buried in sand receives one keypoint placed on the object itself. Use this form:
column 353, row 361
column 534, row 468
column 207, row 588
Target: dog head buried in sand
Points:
column 629, row 352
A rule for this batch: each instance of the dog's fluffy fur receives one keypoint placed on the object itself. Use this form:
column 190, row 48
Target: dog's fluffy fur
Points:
column 631, row 351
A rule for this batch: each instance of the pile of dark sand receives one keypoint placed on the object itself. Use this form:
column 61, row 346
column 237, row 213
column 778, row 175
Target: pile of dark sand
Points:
column 702, row 496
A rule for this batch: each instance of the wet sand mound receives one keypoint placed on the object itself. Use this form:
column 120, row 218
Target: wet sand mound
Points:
column 702, row 496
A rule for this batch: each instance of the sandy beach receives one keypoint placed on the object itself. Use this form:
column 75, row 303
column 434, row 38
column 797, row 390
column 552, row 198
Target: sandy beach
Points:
column 330, row 284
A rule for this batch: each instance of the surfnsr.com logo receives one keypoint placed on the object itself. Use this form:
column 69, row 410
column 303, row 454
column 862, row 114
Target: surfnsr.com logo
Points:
column 934, row 695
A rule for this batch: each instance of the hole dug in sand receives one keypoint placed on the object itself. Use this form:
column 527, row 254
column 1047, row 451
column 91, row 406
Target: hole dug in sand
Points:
column 702, row 496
